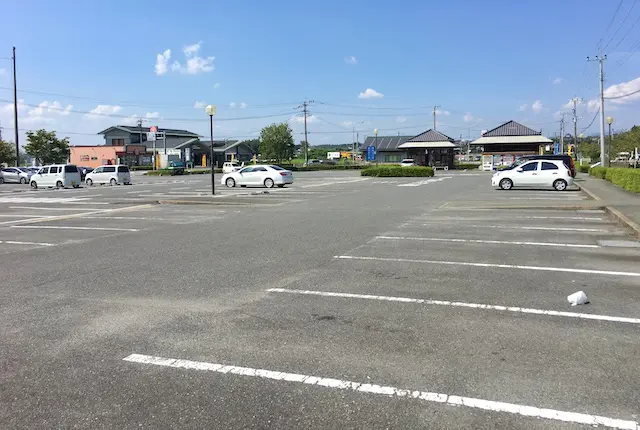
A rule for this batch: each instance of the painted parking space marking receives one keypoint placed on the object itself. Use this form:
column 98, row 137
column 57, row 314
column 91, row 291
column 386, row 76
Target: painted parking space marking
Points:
column 502, row 227
column 64, row 227
column 496, row 265
column 324, row 184
column 16, row 242
column 492, row 242
column 515, row 309
column 424, row 182
column 43, row 208
column 42, row 199
column 447, row 399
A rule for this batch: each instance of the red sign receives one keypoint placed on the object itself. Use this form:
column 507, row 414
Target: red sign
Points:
column 153, row 129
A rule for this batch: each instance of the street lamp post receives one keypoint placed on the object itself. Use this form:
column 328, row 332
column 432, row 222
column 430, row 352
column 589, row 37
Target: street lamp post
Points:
column 580, row 139
column 353, row 139
column 375, row 133
column 211, row 111
column 609, row 121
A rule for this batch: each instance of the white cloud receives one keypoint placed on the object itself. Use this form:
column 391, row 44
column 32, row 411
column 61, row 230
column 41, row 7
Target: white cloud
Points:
column 196, row 65
column 537, row 106
column 189, row 50
column 468, row 117
column 53, row 108
column 9, row 107
column 199, row 105
column 351, row 60
column 557, row 81
column 243, row 105
column 593, row 105
column 103, row 110
column 623, row 89
column 370, row 93
column 175, row 67
column 300, row 119
column 523, row 107
column 37, row 119
column 401, row 119
column 232, row 105
column 216, row 85
column 162, row 60
column 152, row 115
column 443, row 112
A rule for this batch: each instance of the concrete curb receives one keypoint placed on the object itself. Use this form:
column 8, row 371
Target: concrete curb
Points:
column 616, row 214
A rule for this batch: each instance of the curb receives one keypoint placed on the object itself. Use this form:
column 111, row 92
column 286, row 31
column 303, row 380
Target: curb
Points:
column 616, row 214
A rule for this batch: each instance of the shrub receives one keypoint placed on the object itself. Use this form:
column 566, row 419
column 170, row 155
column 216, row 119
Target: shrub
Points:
column 629, row 179
column 316, row 167
column 463, row 166
column 598, row 172
column 134, row 168
column 583, row 168
column 397, row 171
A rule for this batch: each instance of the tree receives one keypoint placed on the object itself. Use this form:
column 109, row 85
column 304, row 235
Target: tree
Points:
column 253, row 144
column 276, row 142
column 7, row 152
column 46, row 148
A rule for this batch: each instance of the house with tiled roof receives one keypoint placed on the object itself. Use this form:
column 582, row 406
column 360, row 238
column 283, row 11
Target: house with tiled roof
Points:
column 505, row 143
column 430, row 148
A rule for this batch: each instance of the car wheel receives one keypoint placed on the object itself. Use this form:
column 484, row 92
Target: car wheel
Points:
column 560, row 185
column 113, row 182
column 230, row 182
column 89, row 183
column 59, row 184
column 506, row 184
column 76, row 186
column 34, row 185
column 268, row 183
column 1, row 180
column 23, row 180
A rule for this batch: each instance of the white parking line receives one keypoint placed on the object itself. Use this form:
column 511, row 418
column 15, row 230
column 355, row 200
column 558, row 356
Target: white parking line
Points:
column 62, row 227
column 501, row 266
column 324, row 184
column 424, row 182
column 44, row 208
column 460, row 304
column 23, row 216
column 493, row 242
column 15, row 242
column 487, row 405
column 503, row 227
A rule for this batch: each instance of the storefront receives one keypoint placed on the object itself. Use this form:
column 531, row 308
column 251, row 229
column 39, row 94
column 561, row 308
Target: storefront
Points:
column 431, row 148
column 504, row 144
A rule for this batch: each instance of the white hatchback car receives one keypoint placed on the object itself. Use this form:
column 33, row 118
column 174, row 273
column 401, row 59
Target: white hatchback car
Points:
column 408, row 162
column 56, row 175
column 257, row 176
column 110, row 174
column 231, row 166
column 534, row 174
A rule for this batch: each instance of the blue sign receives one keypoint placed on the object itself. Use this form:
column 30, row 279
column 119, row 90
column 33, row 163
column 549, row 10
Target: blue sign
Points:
column 556, row 149
column 371, row 153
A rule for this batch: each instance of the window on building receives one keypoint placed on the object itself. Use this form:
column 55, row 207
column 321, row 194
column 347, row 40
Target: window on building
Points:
column 393, row 158
column 117, row 142
column 94, row 158
column 549, row 166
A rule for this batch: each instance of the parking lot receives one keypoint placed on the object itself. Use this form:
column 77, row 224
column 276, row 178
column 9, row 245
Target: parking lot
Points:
column 338, row 302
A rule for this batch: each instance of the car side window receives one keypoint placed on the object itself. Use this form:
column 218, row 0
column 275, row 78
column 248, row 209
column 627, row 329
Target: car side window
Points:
column 43, row 171
column 259, row 169
column 530, row 167
column 548, row 166
column 53, row 169
column 247, row 170
column 109, row 169
column 98, row 170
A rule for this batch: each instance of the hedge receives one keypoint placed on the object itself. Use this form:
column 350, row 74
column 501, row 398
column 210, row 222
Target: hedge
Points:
column 167, row 172
column 464, row 166
column 583, row 168
column 134, row 168
column 316, row 167
column 629, row 179
column 397, row 171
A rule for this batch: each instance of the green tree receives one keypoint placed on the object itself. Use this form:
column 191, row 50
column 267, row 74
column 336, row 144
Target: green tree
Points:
column 7, row 152
column 46, row 148
column 276, row 142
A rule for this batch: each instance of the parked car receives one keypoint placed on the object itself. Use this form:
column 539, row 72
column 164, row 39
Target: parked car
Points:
column 15, row 174
column 535, row 174
column 231, row 166
column 84, row 171
column 176, row 168
column 110, row 174
column 566, row 159
column 257, row 176
column 407, row 162
column 56, row 175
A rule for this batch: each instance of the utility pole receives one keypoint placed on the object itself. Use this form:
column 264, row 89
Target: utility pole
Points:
column 600, row 59
column 305, row 109
column 15, row 107
column 575, row 123
column 562, row 134
column 435, row 111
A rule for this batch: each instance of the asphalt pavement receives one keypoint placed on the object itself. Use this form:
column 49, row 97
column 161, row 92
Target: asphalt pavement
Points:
column 337, row 302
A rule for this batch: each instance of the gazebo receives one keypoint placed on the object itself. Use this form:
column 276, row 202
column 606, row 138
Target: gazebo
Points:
column 505, row 143
column 431, row 148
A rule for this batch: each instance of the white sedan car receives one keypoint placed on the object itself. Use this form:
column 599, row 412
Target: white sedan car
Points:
column 534, row 174
column 258, row 176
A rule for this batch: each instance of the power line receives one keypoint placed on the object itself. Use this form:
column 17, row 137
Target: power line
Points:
column 592, row 121
column 626, row 34
column 609, row 26
column 621, row 25
column 622, row 96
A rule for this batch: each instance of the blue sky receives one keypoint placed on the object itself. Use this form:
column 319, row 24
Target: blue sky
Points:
column 381, row 63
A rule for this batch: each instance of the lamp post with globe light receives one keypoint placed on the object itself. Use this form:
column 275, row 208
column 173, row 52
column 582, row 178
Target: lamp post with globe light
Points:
column 609, row 121
column 211, row 111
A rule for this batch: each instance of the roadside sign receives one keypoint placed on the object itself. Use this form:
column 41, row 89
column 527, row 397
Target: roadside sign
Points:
column 151, row 136
column 371, row 153
column 153, row 129
column 556, row 149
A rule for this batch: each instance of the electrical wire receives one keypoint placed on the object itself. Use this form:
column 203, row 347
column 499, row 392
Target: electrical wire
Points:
column 591, row 123
column 622, row 96
column 609, row 26
column 626, row 34
column 621, row 25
